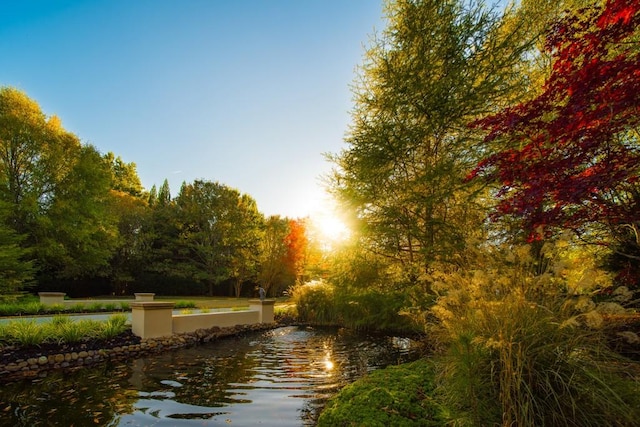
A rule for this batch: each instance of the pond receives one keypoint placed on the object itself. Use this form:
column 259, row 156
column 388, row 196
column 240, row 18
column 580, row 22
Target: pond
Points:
column 280, row 377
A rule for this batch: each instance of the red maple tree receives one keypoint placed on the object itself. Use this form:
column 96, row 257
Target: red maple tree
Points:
column 296, row 242
column 574, row 156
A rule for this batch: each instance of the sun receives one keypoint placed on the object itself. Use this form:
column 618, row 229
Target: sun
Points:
column 330, row 227
column 327, row 223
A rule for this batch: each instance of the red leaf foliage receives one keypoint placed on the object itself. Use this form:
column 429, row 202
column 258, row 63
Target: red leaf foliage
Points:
column 571, row 151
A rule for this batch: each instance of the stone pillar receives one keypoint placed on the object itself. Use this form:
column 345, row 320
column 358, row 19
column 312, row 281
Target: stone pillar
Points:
column 51, row 298
column 152, row 319
column 264, row 307
column 144, row 296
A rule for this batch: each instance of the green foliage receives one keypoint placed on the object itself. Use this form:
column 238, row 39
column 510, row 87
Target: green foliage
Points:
column 113, row 327
column 69, row 331
column 94, row 306
column 315, row 303
column 184, row 304
column 25, row 332
column 322, row 303
column 62, row 329
column 437, row 65
column 76, row 308
column 395, row 396
column 374, row 310
column 110, row 306
column 517, row 350
column 16, row 270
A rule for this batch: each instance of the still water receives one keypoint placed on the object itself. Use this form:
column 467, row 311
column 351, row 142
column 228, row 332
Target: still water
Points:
column 280, row 377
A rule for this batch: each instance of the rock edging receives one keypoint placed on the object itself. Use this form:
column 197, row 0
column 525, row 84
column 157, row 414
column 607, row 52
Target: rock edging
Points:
column 39, row 364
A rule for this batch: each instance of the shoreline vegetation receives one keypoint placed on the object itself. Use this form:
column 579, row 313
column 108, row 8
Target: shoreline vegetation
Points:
column 406, row 394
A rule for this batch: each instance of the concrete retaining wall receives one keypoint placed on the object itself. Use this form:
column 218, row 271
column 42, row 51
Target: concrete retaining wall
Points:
column 155, row 319
column 192, row 322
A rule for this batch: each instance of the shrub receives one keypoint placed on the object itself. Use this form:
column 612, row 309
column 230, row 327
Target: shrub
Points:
column 374, row 310
column 76, row 308
column 184, row 304
column 520, row 351
column 55, row 308
column 94, row 306
column 10, row 308
column 110, row 306
column 315, row 303
column 113, row 327
column 25, row 333
column 73, row 331
column 33, row 307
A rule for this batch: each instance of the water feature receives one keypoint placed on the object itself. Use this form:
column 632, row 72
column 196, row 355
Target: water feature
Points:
column 280, row 377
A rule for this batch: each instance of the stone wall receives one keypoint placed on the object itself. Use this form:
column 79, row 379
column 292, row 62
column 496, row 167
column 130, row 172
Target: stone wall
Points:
column 15, row 366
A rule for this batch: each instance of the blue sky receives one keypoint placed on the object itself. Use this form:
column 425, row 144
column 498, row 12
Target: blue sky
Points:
column 249, row 93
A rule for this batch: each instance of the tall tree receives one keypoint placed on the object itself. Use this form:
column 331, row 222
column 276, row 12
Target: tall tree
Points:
column 124, row 176
column 79, row 234
column 220, row 234
column 35, row 153
column 573, row 158
column 273, row 272
column 438, row 65
column 57, row 190
column 16, row 271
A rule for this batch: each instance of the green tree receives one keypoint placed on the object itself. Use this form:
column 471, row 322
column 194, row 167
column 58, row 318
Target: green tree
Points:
column 439, row 64
column 274, row 276
column 56, row 189
column 124, row 176
column 219, row 234
column 78, row 235
column 16, row 271
column 35, row 153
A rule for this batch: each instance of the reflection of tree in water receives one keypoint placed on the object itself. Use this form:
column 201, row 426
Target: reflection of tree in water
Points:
column 82, row 398
column 198, row 375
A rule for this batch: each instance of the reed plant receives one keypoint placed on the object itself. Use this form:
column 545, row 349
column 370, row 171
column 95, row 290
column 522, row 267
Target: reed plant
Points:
column 517, row 349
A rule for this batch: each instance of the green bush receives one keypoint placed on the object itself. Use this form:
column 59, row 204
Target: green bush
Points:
column 94, row 306
column 76, row 308
column 109, row 306
column 33, row 307
column 374, row 310
column 25, row 333
column 315, row 303
column 62, row 329
column 395, row 396
column 71, row 331
column 113, row 327
column 184, row 304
